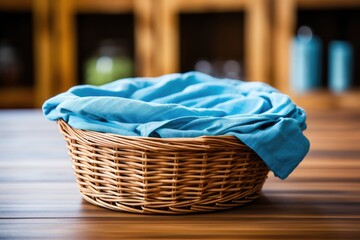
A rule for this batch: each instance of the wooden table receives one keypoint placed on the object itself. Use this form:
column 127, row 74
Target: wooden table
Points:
column 39, row 197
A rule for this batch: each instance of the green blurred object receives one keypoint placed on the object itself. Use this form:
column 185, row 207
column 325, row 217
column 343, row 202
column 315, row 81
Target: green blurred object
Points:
column 109, row 63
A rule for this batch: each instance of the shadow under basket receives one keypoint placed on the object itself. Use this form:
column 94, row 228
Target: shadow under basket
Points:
column 164, row 175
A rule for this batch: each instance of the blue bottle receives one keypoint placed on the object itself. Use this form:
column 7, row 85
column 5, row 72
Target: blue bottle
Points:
column 340, row 66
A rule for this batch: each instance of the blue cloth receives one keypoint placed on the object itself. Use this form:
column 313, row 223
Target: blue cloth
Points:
column 191, row 105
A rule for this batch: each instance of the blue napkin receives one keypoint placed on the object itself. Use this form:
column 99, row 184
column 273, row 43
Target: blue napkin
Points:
column 191, row 105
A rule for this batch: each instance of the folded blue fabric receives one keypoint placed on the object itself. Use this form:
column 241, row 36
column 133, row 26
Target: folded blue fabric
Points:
column 191, row 105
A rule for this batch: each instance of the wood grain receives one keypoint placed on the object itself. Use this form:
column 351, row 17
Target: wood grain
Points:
column 39, row 197
column 64, row 44
column 42, row 48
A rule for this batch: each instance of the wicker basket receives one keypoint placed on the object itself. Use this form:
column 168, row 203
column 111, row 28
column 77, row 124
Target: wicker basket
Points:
column 166, row 176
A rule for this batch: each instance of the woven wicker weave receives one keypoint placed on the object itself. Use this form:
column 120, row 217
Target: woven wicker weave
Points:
column 167, row 176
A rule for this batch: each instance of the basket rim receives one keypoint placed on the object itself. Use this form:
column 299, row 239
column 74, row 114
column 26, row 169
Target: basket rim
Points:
column 94, row 137
column 63, row 123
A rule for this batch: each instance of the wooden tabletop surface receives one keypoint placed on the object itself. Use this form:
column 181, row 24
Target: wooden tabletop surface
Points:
column 39, row 198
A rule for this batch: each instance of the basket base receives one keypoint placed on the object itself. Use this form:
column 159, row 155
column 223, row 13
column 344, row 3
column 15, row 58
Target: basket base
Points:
column 144, row 209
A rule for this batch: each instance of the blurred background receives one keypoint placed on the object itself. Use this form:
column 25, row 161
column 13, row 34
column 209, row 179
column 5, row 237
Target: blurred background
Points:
column 308, row 49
